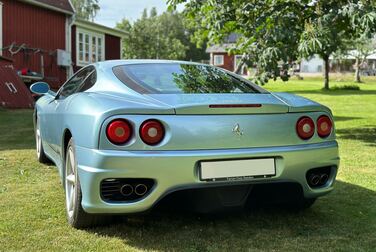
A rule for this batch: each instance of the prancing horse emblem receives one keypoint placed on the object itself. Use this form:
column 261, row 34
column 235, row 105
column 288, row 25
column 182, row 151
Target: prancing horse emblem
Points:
column 237, row 130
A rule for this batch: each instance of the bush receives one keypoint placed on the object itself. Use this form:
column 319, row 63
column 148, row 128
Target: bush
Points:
column 346, row 87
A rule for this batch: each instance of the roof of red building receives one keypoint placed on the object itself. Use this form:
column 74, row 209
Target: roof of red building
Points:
column 58, row 5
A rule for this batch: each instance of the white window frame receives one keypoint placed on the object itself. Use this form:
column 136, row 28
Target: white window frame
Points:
column 221, row 61
column 91, row 35
column 1, row 27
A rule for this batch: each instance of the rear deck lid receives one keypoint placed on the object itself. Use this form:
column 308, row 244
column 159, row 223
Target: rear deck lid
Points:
column 202, row 104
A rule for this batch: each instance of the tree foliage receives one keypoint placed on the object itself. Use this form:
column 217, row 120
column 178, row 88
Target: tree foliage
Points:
column 275, row 33
column 154, row 36
column 86, row 9
column 203, row 79
column 331, row 24
column 360, row 49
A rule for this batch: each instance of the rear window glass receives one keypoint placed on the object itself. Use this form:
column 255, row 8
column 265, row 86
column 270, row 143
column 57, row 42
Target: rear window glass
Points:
column 173, row 78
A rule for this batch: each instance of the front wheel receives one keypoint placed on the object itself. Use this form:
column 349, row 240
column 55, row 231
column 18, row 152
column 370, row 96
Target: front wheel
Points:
column 77, row 217
column 41, row 156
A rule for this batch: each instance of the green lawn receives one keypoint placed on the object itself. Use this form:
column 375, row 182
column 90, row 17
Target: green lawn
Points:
column 32, row 214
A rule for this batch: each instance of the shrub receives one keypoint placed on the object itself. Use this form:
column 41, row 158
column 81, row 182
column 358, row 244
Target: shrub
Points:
column 346, row 87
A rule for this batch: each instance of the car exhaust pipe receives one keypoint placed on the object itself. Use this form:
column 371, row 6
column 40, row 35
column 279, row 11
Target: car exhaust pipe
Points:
column 324, row 178
column 314, row 179
column 126, row 190
column 140, row 189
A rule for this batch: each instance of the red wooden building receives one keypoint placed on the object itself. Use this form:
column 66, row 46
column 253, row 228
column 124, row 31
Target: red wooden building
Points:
column 45, row 41
column 220, row 57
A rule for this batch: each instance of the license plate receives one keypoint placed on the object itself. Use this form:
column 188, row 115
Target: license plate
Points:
column 237, row 169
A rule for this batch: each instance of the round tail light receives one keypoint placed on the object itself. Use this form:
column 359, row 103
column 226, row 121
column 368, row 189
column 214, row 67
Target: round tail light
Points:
column 152, row 132
column 324, row 126
column 305, row 127
column 119, row 131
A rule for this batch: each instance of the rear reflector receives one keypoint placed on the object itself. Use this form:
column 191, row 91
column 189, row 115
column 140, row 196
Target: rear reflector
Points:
column 152, row 132
column 119, row 131
column 305, row 127
column 235, row 106
column 324, row 126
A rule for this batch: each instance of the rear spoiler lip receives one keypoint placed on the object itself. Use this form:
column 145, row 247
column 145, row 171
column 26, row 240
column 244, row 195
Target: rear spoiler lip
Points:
column 235, row 105
column 298, row 104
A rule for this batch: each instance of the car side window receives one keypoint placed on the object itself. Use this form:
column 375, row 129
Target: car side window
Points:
column 88, row 82
column 74, row 83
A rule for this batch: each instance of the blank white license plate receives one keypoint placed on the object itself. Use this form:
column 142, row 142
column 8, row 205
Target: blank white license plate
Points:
column 237, row 169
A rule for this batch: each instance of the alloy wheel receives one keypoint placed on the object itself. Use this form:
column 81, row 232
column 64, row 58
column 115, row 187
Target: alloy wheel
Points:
column 70, row 181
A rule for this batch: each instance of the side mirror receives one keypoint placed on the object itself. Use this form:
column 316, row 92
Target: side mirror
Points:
column 40, row 88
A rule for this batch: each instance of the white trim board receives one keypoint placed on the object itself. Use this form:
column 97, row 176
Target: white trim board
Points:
column 1, row 27
column 99, row 28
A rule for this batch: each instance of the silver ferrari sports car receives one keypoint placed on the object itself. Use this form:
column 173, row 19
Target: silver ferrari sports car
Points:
column 128, row 134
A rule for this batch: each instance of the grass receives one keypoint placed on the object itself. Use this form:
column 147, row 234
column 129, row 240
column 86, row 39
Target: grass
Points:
column 32, row 214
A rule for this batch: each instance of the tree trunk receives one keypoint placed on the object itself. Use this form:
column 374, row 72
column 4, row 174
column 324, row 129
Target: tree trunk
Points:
column 357, row 70
column 239, row 67
column 326, row 72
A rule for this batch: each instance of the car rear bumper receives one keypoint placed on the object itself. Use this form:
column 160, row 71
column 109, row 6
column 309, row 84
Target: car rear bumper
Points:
column 177, row 170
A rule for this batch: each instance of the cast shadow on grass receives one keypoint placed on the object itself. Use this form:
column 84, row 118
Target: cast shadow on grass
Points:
column 365, row 134
column 10, row 144
column 16, row 130
column 334, row 92
column 346, row 118
column 346, row 215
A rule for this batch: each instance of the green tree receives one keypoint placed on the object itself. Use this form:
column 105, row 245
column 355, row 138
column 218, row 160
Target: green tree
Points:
column 275, row 33
column 86, row 9
column 329, row 25
column 164, row 36
column 360, row 49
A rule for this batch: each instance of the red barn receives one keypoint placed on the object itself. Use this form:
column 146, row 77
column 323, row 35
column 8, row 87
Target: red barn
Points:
column 46, row 42
column 220, row 57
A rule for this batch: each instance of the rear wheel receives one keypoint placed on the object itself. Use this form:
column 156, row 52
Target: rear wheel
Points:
column 42, row 158
column 77, row 217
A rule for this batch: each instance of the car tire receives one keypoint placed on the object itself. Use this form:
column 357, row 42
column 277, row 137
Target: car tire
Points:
column 77, row 217
column 41, row 156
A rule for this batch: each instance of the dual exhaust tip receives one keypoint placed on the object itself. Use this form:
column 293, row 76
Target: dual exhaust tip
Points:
column 318, row 179
column 128, row 189
column 125, row 189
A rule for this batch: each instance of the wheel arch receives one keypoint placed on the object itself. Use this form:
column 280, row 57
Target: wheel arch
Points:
column 67, row 135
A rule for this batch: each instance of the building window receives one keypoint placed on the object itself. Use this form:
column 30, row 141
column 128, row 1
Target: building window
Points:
column 90, row 47
column 218, row 60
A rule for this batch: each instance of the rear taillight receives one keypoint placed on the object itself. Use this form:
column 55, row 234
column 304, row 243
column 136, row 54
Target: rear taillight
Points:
column 305, row 127
column 324, row 126
column 119, row 131
column 152, row 132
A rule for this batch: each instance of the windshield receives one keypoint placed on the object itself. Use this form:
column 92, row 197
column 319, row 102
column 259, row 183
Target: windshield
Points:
column 172, row 78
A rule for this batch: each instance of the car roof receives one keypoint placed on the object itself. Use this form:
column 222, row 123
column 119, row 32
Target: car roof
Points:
column 113, row 63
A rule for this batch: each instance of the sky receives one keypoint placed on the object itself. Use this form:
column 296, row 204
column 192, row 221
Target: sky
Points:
column 113, row 11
